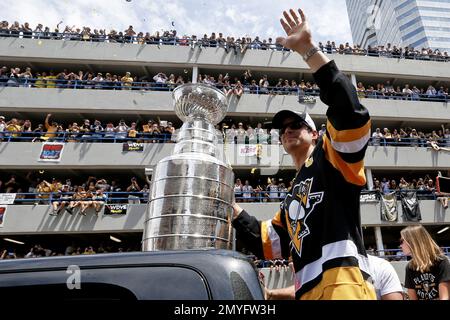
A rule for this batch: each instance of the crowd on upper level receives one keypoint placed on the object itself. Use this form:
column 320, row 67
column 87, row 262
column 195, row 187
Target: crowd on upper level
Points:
column 238, row 45
column 162, row 131
column 74, row 249
column 231, row 86
column 153, row 131
column 84, row 191
column 75, row 194
column 276, row 189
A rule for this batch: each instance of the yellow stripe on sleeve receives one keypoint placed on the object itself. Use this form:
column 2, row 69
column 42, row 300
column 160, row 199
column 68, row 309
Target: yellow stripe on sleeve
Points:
column 352, row 172
column 348, row 135
column 277, row 219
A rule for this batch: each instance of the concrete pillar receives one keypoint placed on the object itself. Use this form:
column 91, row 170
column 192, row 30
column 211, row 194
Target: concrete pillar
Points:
column 369, row 179
column 379, row 241
column 194, row 74
column 353, row 77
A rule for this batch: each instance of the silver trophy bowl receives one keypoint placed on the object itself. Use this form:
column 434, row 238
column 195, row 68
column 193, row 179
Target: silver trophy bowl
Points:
column 200, row 101
column 191, row 194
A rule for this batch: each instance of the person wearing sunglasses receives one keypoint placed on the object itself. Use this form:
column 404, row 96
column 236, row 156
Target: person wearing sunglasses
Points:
column 427, row 274
column 319, row 222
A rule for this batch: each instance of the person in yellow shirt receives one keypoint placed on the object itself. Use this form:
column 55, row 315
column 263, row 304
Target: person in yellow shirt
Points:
column 127, row 81
column 14, row 128
column 41, row 82
column 56, row 185
column 132, row 132
column 51, row 129
column 44, row 189
column 147, row 130
column 51, row 80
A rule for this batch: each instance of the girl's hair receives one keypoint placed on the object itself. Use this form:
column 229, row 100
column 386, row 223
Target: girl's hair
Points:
column 424, row 250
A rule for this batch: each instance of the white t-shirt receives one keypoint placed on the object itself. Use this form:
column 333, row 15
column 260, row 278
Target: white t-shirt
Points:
column 273, row 189
column 247, row 191
column 385, row 278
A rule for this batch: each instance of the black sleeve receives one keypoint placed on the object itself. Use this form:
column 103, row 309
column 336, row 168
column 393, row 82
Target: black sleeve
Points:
column 337, row 91
column 248, row 229
column 348, row 123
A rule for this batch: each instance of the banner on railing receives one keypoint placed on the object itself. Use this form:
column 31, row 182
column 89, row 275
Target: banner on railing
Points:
column 410, row 206
column 133, row 146
column 388, row 205
column 2, row 215
column 368, row 197
column 115, row 209
column 51, row 152
column 251, row 150
column 443, row 185
column 7, row 198
column 306, row 99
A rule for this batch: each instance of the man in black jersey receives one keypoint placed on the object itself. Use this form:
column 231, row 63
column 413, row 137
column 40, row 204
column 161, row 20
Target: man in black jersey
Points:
column 318, row 223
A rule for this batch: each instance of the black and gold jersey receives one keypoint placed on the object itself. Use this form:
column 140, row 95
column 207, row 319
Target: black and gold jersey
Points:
column 319, row 223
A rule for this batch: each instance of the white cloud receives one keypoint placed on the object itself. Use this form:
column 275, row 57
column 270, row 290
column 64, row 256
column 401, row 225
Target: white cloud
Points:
column 328, row 18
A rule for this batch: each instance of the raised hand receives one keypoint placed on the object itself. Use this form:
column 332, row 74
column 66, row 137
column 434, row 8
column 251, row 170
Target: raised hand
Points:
column 299, row 37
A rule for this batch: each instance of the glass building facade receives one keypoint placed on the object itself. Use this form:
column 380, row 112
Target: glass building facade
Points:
column 413, row 23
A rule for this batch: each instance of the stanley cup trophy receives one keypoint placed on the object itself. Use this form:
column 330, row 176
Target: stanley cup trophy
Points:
column 191, row 194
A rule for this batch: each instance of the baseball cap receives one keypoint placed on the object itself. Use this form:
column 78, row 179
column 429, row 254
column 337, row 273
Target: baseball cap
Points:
column 277, row 121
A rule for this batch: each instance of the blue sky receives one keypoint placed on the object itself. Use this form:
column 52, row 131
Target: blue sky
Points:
column 328, row 18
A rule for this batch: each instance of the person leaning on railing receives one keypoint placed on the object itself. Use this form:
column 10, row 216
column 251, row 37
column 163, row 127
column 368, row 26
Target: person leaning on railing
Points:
column 13, row 128
column 44, row 190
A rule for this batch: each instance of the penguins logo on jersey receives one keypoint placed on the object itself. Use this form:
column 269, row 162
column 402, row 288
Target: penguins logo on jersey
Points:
column 299, row 204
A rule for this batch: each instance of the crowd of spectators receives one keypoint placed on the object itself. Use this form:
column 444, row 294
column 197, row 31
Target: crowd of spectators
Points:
column 22, row 130
column 39, row 251
column 164, row 132
column 230, row 85
column 238, row 45
column 388, row 51
column 16, row 77
column 276, row 189
column 65, row 195
column 424, row 184
column 244, row 133
column 410, row 137
column 413, row 93
column 38, row 189
column 246, row 83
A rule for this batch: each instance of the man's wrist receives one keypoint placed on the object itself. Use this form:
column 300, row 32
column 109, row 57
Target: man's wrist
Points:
column 312, row 51
column 304, row 48
column 237, row 210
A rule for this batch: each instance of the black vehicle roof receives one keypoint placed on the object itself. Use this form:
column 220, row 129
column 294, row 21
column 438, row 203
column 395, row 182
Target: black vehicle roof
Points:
column 218, row 267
